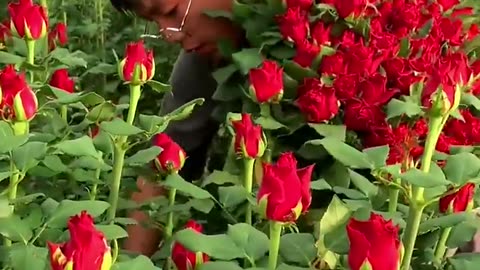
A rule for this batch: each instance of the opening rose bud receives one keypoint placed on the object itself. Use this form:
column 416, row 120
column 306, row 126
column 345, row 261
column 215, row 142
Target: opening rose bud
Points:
column 86, row 249
column 266, row 82
column 459, row 201
column 61, row 80
column 138, row 66
column 374, row 244
column 285, row 190
column 185, row 259
column 172, row 157
column 250, row 141
column 25, row 105
column 28, row 20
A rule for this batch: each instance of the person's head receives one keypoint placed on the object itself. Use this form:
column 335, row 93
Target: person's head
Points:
column 185, row 21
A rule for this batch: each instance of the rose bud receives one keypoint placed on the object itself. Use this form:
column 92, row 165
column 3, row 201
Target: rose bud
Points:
column 294, row 25
column 61, row 80
column 284, row 192
column 460, row 201
column 29, row 20
column 172, row 157
column 19, row 102
column 302, row 4
column 306, row 54
column 137, row 57
column 319, row 105
column 185, row 259
column 249, row 138
column 374, row 244
column 58, row 36
column 86, row 249
column 266, row 82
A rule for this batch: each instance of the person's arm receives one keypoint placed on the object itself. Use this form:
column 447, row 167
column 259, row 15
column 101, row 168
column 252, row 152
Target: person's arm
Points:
column 191, row 78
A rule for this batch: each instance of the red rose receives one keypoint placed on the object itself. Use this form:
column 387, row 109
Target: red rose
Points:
column 374, row 243
column 285, row 190
column 346, row 8
column 321, row 33
column 249, row 138
column 136, row 55
column 374, row 90
column 87, row 248
column 266, row 82
column 346, row 86
column 306, row 53
column 58, row 36
column 307, row 85
column 458, row 201
column 333, row 64
column 319, row 104
column 29, row 20
column 362, row 60
column 302, row 4
column 466, row 132
column 172, row 157
column 19, row 102
column 448, row 4
column 185, row 259
column 361, row 116
column 294, row 25
column 448, row 30
column 61, row 80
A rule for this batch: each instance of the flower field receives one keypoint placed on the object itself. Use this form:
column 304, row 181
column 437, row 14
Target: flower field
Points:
column 347, row 139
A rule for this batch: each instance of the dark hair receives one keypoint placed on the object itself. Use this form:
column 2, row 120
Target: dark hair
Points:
column 124, row 5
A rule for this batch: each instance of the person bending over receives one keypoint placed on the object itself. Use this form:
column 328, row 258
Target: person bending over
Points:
column 183, row 22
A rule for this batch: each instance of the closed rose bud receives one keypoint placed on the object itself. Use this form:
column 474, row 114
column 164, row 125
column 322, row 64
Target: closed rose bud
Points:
column 249, row 138
column 185, row 259
column 19, row 102
column 61, row 80
column 285, row 190
column 459, row 201
column 306, row 54
column 373, row 243
column 87, row 248
column 172, row 157
column 25, row 105
column 29, row 20
column 294, row 25
column 137, row 60
column 266, row 82
column 319, row 105
column 58, row 36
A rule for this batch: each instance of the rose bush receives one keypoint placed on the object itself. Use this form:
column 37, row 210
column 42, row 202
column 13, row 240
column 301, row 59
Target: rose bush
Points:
column 352, row 134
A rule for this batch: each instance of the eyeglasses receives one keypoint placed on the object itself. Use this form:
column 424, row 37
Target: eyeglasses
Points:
column 164, row 32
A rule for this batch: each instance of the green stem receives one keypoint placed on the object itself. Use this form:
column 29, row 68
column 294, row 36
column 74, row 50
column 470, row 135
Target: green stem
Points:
column 19, row 128
column 44, row 4
column 248, row 183
column 275, row 233
column 417, row 202
column 64, row 12
column 119, row 154
column 64, row 113
column 393, row 200
column 94, row 191
column 442, row 244
column 30, row 51
column 171, row 202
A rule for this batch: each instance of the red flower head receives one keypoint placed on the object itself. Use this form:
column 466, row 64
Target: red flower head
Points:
column 61, row 80
column 362, row 116
column 285, row 190
column 321, row 33
column 185, row 259
column 172, row 157
column 346, row 86
column 266, row 82
column 87, row 248
column 137, row 56
column 294, row 25
column 373, row 243
column 319, row 104
column 19, row 102
column 346, row 8
column 249, row 138
column 302, row 4
column 29, row 20
column 58, row 36
column 458, row 201
column 306, row 53
column 448, row 4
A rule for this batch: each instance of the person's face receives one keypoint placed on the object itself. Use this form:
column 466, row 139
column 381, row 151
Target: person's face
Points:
column 199, row 33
